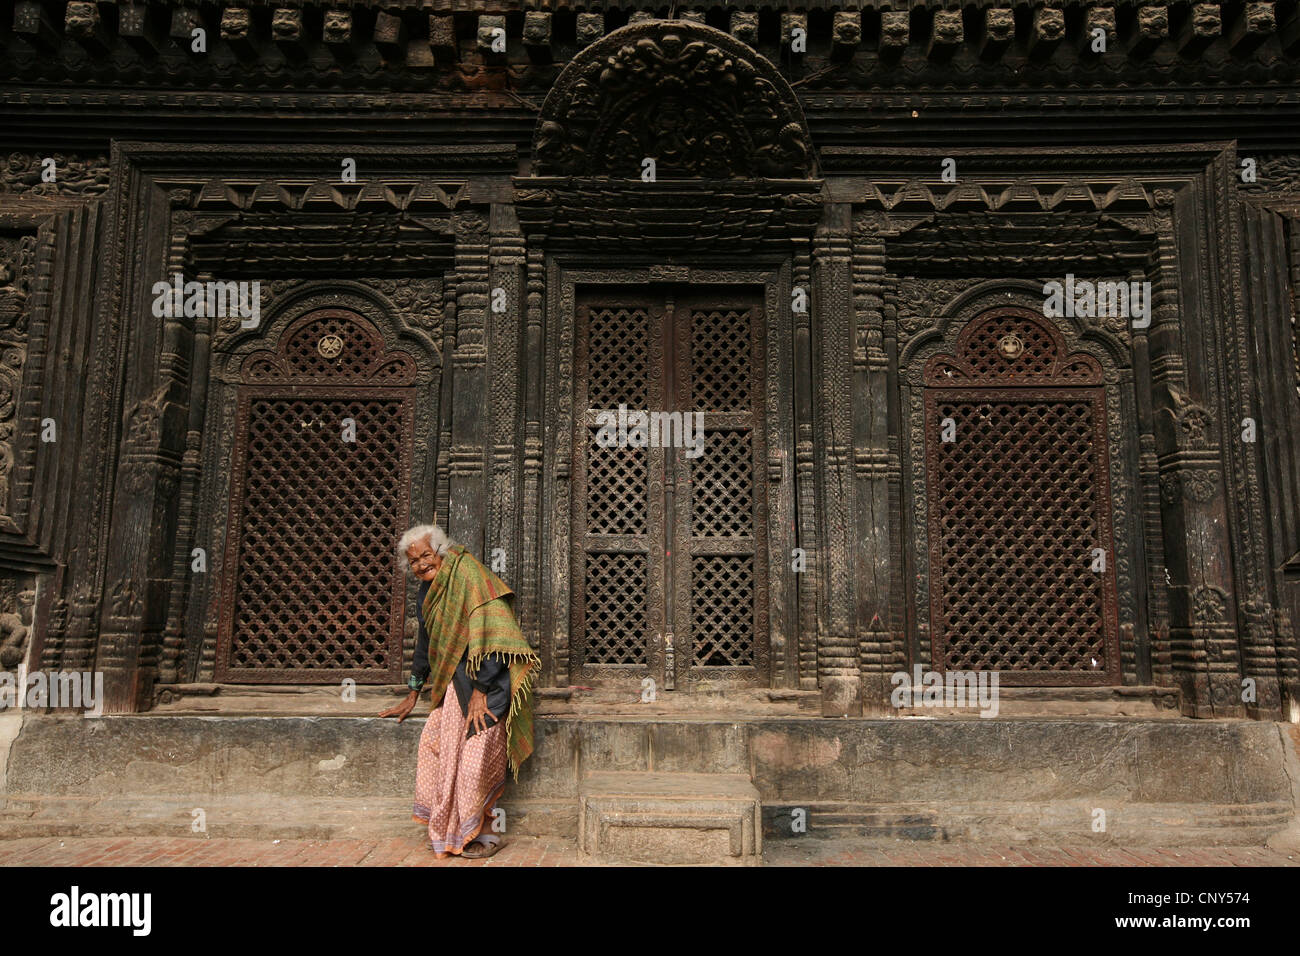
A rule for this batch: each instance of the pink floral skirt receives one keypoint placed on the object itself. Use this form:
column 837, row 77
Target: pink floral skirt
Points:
column 457, row 781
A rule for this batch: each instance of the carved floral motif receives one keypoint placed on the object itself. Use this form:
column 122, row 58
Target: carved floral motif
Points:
column 1194, row 484
column 1209, row 605
column 921, row 300
column 420, row 301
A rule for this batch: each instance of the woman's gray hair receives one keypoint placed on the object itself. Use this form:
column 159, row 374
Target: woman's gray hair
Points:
column 438, row 539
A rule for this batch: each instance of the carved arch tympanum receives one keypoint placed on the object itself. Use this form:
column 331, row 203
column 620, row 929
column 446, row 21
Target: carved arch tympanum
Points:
column 696, row 100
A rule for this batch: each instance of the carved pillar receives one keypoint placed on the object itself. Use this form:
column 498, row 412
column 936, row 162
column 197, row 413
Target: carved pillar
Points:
column 505, row 386
column 1129, row 508
column 806, row 503
column 833, row 350
column 1225, row 346
column 1264, row 345
column 171, row 664
column 139, row 554
column 49, row 260
column 1145, row 369
column 558, row 427
column 876, row 473
column 1269, row 308
column 899, row 553
column 442, row 468
column 469, row 429
column 1202, row 603
column 534, row 353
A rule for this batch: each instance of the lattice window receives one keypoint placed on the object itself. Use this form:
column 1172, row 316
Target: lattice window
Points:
column 1012, row 347
column 313, row 588
column 1018, row 501
column 615, row 608
column 357, row 351
column 721, row 365
column 722, row 610
column 722, row 485
column 618, row 343
column 1015, row 506
column 616, row 489
column 1008, row 346
column 330, row 346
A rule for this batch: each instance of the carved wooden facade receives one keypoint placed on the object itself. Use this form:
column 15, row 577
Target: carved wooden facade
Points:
column 805, row 268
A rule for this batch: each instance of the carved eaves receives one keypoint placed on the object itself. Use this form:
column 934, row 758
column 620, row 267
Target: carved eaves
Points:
column 451, row 44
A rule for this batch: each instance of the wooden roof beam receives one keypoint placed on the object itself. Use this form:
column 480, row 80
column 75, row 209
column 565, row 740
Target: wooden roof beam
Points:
column 999, row 31
column 591, row 27
column 287, row 31
column 1047, row 34
column 946, row 35
column 390, row 35
column 1253, row 26
column 1152, row 30
column 895, row 33
column 537, row 36
column 32, row 22
column 237, row 33
column 81, row 21
column 1103, row 19
column 846, row 34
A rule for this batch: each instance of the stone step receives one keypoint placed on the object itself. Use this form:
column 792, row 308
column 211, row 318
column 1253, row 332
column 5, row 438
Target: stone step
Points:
column 247, row 816
column 670, row 818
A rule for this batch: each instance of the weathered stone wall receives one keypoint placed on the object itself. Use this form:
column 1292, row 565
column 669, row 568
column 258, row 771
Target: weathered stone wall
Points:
column 1157, row 781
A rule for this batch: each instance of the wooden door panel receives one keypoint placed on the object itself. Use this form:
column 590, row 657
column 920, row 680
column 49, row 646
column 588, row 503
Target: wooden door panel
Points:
column 670, row 555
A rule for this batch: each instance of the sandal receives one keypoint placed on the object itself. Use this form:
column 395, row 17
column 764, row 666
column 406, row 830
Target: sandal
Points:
column 477, row 850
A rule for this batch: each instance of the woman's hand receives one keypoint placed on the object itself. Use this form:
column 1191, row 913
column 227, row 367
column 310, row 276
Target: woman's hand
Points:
column 476, row 713
column 403, row 710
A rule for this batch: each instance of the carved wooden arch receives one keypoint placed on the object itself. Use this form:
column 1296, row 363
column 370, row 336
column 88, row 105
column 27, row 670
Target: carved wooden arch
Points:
column 1011, row 346
column 696, row 100
column 329, row 346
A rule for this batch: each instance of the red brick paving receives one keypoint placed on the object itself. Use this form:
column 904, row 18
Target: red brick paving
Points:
column 541, row 851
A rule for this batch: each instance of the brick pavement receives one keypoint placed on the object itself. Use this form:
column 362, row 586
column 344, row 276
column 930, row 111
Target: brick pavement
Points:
column 543, row 851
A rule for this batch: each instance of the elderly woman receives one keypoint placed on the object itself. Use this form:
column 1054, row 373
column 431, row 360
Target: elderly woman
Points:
column 482, row 671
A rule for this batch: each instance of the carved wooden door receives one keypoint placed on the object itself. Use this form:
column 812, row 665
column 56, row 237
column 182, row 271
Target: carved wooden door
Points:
column 670, row 553
column 312, row 588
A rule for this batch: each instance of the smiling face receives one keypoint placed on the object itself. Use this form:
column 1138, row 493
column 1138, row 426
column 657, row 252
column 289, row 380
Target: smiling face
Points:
column 424, row 561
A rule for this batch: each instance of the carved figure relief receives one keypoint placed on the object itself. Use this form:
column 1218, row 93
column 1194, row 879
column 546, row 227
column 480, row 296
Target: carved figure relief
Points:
column 22, row 173
column 694, row 99
column 15, row 628
column 17, row 268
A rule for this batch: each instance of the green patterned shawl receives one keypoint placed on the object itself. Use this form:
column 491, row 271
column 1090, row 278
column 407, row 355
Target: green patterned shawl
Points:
column 468, row 606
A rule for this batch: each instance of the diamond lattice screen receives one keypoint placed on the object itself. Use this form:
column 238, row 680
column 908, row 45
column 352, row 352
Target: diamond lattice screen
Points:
column 617, row 343
column 316, row 579
column 1014, row 518
column 721, row 515
column 669, row 543
column 616, row 613
column 721, row 364
column 614, row 490
column 722, row 610
column 722, row 486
